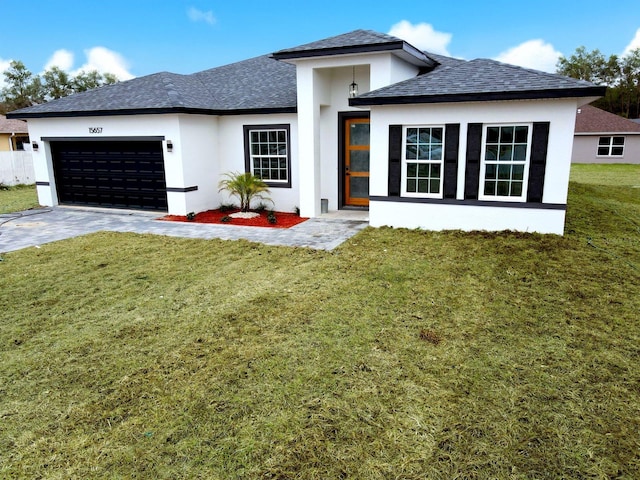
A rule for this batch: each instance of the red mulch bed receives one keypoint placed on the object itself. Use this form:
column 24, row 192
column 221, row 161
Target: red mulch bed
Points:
column 283, row 219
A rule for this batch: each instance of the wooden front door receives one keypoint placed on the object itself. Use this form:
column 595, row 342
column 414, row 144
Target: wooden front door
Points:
column 356, row 162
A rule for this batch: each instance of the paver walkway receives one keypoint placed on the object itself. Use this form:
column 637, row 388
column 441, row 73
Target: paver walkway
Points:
column 37, row 227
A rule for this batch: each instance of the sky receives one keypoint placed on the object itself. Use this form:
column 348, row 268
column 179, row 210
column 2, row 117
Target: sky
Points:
column 132, row 38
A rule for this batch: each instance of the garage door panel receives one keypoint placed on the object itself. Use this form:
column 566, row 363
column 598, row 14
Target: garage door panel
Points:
column 115, row 174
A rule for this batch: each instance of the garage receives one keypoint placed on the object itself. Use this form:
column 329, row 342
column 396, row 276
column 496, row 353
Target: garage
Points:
column 114, row 173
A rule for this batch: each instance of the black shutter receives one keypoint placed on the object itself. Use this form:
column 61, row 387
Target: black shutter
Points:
column 474, row 150
column 451, row 145
column 538, row 161
column 395, row 155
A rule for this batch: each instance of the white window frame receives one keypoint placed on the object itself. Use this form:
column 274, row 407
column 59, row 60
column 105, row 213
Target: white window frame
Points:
column 484, row 162
column 610, row 146
column 405, row 161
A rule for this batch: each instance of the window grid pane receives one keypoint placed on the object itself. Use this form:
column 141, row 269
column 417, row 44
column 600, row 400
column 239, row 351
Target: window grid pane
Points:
column 610, row 147
column 505, row 155
column 423, row 156
column 269, row 154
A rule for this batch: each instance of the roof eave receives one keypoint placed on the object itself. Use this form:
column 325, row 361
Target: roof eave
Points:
column 154, row 111
column 401, row 47
column 596, row 91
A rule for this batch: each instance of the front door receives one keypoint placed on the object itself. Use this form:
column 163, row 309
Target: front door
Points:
column 356, row 162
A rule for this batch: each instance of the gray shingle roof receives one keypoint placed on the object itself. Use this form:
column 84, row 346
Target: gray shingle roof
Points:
column 479, row 79
column 265, row 85
column 358, row 41
column 257, row 84
column 350, row 39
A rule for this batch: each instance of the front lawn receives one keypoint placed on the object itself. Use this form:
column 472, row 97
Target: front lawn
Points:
column 17, row 198
column 401, row 354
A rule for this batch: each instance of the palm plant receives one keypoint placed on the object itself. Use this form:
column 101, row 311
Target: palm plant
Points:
column 246, row 187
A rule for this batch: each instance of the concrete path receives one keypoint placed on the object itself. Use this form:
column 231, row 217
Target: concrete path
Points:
column 37, row 227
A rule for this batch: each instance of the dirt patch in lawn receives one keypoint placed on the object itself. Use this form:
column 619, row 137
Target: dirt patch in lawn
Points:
column 283, row 219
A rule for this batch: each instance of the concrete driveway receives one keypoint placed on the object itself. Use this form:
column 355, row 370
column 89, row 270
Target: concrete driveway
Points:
column 37, row 227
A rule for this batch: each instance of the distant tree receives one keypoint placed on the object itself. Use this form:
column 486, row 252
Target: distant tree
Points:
column 23, row 89
column 620, row 74
column 57, row 83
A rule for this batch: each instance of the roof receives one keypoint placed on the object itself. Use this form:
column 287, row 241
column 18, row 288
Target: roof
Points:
column 358, row 41
column 479, row 80
column 12, row 126
column 590, row 119
column 267, row 85
column 260, row 84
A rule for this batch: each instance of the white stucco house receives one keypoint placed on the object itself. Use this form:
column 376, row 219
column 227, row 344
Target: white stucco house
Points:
column 426, row 141
column 603, row 137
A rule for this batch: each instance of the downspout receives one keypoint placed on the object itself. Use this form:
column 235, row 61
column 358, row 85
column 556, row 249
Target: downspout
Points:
column 13, row 134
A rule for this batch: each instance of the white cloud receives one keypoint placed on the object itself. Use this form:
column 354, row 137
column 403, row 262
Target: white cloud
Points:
column 635, row 43
column 534, row 54
column 423, row 36
column 196, row 15
column 4, row 65
column 63, row 59
column 105, row 61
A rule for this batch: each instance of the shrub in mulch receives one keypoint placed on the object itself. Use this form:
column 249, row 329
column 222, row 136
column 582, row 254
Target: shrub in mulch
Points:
column 221, row 216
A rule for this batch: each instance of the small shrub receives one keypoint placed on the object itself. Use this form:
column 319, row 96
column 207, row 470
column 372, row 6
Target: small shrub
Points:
column 296, row 210
column 191, row 216
column 261, row 207
column 225, row 219
column 227, row 207
column 245, row 187
column 271, row 218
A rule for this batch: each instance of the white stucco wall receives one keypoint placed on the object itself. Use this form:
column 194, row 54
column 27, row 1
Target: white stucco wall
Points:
column 560, row 114
column 112, row 126
column 585, row 149
column 323, row 87
column 231, row 155
column 204, row 147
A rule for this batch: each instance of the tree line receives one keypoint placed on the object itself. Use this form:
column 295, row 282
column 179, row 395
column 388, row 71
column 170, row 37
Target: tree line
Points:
column 621, row 74
column 24, row 89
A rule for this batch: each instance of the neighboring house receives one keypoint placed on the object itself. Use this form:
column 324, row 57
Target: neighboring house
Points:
column 16, row 163
column 361, row 120
column 603, row 137
column 14, row 135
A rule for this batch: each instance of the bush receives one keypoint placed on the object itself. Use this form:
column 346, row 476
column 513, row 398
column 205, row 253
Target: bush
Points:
column 246, row 187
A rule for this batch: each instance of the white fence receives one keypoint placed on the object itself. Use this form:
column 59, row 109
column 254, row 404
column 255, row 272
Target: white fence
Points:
column 16, row 168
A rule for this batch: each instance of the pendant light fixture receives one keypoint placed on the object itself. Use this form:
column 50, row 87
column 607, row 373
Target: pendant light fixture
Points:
column 353, row 88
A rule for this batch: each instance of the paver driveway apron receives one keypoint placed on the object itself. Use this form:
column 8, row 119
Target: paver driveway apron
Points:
column 37, row 227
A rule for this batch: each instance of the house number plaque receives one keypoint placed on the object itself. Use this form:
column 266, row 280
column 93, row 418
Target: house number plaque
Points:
column 95, row 129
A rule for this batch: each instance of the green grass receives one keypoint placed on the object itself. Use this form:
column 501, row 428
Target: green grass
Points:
column 402, row 354
column 603, row 174
column 18, row 198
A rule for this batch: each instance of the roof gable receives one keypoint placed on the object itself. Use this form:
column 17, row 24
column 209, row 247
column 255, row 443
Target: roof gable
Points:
column 590, row 119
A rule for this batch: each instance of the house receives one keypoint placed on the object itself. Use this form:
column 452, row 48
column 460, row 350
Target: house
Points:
column 360, row 120
column 14, row 135
column 16, row 163
column 603, row 137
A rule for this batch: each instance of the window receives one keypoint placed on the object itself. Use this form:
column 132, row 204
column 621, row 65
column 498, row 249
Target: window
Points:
column 19, row 142
column 611, row 146
column 267, row 153
column 422, row 162
column 505, row 162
